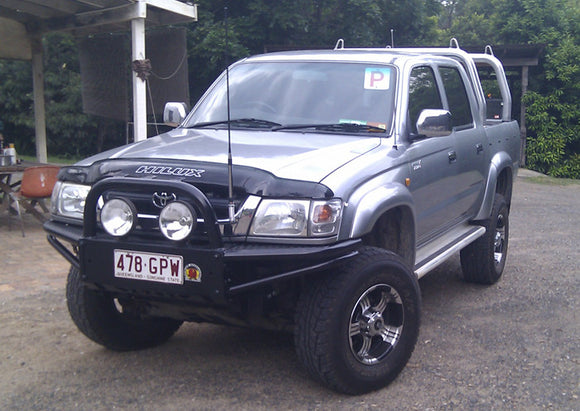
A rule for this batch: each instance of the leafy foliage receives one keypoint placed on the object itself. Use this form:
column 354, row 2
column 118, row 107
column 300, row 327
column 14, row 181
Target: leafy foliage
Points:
column 16, row 106
column 70, row 132
column 67, row 127
column 552, row 115
column 256, row 26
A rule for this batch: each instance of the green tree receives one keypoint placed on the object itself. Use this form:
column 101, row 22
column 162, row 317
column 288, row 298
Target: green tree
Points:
column 254, row 27
column 263, row 25
column 16, row 108
column 552, row 115
column 69, row 131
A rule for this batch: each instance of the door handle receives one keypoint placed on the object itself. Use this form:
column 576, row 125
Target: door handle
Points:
column 479, row 148
column 452, row 156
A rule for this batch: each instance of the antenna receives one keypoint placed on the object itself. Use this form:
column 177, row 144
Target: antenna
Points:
column 231, row 205
column 392, row 38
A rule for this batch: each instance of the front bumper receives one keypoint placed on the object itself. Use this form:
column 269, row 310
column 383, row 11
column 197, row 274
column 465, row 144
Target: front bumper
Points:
column 227, row 268
column 227, row 271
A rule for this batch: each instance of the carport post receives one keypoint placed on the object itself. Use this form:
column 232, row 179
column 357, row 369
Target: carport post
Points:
column 523, row 131
column 38, row 93
column 139, row 85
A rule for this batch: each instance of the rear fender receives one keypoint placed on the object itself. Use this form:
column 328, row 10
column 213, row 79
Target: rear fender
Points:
column 499, row 163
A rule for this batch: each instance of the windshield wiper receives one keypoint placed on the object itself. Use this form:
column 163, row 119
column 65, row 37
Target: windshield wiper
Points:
column 239, row 122
column 339, row 127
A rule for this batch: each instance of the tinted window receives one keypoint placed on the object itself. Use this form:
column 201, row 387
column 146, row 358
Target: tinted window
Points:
column 423, row 94
column 304, row 93
column 456, row 97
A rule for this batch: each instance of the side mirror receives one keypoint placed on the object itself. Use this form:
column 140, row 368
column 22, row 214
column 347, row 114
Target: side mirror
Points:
column 434, row 123
column 174, row 113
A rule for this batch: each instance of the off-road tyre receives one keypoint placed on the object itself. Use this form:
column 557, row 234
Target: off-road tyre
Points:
column 101, row 318
column 483, row 261
column 349, row 350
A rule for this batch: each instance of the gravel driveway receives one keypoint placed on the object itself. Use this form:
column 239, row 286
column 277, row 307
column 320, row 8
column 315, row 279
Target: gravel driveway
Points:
column 514, row 345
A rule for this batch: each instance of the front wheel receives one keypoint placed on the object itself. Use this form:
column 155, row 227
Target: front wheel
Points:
column 111, row 322
column 483, row 260
column 356, row 329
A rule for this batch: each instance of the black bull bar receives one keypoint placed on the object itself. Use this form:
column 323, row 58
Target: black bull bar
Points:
column 282, row 259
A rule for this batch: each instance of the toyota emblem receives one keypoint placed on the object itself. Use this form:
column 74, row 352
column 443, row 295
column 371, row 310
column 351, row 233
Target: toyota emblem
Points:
column 160, row 200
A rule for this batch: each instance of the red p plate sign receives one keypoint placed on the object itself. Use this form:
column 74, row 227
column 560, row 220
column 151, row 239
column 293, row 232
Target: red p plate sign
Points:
column 377, row 78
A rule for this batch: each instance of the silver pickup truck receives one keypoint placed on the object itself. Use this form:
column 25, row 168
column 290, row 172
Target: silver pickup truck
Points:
column 306, row 191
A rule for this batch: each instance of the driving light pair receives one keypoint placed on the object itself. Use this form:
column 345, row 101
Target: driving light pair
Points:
column 176, row 221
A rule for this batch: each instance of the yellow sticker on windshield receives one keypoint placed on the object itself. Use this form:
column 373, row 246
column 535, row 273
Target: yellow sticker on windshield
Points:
column 377, row 78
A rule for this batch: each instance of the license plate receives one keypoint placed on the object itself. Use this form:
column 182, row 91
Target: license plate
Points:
column 162, row 268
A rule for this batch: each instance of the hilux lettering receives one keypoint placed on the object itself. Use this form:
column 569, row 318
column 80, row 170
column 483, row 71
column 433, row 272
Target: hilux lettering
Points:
column 170, row 171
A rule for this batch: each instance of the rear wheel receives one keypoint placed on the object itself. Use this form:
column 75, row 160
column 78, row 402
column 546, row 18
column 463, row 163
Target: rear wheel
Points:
column 483, row 260
column 356, row 329
column 111, row 322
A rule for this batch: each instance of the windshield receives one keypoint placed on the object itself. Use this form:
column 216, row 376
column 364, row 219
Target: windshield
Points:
column 295, row 95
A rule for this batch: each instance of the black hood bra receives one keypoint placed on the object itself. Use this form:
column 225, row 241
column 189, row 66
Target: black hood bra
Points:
column 246, row 179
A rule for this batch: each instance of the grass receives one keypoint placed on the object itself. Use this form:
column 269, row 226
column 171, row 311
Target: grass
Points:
column 553, row 181
column 538, row 178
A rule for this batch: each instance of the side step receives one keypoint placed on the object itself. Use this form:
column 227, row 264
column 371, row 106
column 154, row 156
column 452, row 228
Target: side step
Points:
column 438, row 251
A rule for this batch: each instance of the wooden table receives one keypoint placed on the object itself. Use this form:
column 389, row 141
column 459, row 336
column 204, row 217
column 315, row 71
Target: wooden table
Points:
column 6, row 174
column 9, row 186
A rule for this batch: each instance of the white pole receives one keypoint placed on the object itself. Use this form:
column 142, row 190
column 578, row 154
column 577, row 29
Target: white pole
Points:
column 139, row 86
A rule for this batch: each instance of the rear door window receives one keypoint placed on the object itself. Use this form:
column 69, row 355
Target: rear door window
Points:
column 457, row 99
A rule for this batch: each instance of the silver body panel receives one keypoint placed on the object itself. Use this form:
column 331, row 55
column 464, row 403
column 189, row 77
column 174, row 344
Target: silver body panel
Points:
column 286, row 155
column 446, row 181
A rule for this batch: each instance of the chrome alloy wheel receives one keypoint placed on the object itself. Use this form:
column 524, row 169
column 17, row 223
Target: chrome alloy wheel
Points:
column 376, row 324
column 499, row 240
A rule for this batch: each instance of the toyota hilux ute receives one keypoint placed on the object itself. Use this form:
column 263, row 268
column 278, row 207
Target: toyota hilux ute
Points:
column 306, row 191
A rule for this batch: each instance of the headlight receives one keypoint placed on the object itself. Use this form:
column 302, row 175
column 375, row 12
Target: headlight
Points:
column 281, row 218
column 68, row 199
column 118, row 217
column 297, row 218
column 177, row 220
